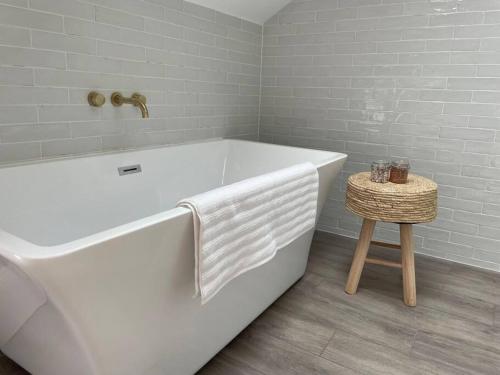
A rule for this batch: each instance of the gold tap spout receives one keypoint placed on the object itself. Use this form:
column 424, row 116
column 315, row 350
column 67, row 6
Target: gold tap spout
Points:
column 137, row 100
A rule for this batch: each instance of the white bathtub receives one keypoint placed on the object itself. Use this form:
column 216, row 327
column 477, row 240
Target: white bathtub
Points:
column 97, row 269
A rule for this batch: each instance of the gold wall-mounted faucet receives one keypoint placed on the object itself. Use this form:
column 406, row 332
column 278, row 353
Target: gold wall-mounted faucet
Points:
column 137, row 100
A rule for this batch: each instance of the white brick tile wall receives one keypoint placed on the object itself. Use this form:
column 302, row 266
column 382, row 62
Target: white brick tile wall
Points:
column 32, row 57
column 373, row 78
column 66, row 8
column 22, row 17
column 199, row 69
column 14, row 36
column 16, row 76
column 119, row 18
column 386, row 79
column 61, row 42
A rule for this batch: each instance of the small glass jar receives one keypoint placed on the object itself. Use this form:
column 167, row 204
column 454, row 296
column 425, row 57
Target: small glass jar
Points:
column 399, row 171
column 380, row 171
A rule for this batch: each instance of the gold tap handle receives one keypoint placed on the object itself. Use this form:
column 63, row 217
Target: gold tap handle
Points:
column 96, row 99
column 117, row 99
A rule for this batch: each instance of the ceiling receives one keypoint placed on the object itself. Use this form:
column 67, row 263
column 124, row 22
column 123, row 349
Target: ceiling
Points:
column 258, row 11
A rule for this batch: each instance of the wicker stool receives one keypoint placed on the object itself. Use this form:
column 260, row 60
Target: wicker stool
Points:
column 405, row 204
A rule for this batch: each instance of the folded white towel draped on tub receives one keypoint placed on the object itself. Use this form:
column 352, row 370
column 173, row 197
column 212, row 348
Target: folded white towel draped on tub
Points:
column 240, row 226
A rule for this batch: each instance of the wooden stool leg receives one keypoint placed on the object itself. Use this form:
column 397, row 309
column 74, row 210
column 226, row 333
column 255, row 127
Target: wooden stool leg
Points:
column 358, row 261
column 408, row 263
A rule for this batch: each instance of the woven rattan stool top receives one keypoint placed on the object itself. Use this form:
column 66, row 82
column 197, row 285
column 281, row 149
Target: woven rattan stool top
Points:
column 413, row 202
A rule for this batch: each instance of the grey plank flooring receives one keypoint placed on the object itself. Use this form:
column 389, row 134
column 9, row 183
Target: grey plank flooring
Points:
column 315, row 328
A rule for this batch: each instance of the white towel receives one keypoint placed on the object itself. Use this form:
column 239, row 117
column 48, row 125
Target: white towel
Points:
column 240, row 226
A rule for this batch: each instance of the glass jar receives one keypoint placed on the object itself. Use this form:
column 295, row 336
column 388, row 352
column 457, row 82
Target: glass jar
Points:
column 380, row 171
column 399, row 171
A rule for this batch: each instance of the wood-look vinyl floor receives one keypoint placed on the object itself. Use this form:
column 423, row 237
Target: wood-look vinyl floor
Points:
column 315, row 328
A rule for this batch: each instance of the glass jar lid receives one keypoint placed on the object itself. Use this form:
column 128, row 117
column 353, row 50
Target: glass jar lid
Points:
column 401, row 163
column 381, row 164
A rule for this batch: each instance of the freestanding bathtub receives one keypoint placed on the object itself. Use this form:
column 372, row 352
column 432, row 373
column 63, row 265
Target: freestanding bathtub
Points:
column 97, row 264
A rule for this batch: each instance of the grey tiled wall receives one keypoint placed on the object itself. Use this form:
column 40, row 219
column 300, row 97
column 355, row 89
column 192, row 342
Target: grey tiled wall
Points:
column 199, row 69
column 373, row 78
column 391, row 78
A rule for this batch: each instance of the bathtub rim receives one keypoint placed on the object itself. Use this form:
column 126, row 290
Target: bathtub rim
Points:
column 17, row 249
column 57, row 159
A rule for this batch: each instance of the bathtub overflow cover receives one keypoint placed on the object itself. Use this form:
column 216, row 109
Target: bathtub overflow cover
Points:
column 129, row 169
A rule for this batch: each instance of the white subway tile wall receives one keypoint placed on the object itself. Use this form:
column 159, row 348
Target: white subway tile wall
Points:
column 199, row 69
column 372, row 78
column 395, row 78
